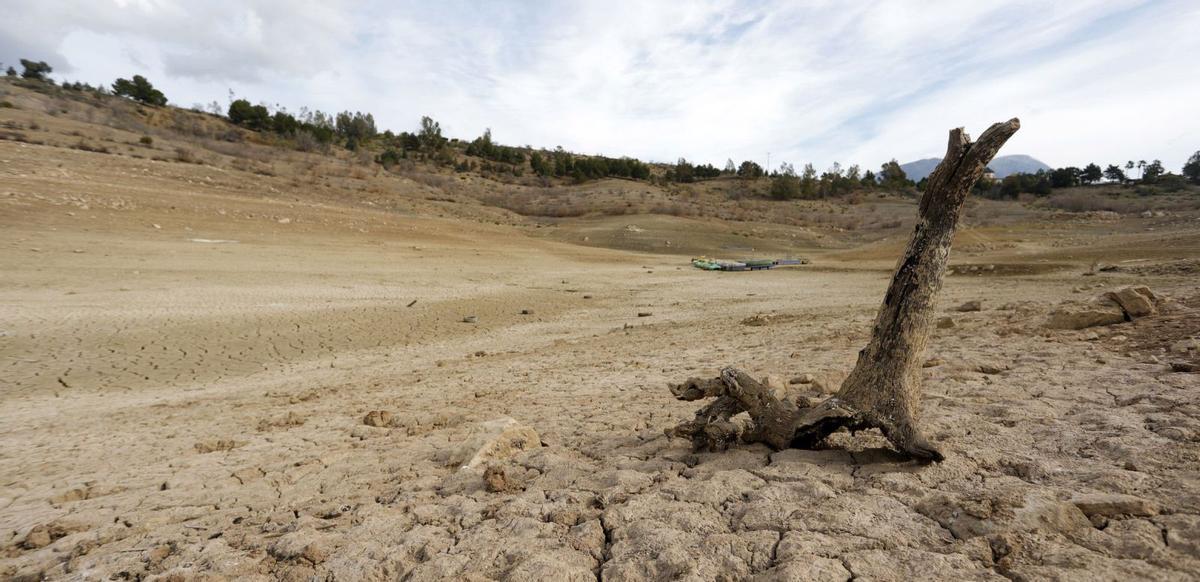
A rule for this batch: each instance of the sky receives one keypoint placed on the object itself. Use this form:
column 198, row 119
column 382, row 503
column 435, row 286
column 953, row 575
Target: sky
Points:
column 818, row 81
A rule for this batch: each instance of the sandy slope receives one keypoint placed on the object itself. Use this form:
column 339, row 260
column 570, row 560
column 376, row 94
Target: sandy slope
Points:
column 174, row 406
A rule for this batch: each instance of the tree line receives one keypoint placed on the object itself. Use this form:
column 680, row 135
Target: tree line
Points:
column 1043, row 182
column 313, row 128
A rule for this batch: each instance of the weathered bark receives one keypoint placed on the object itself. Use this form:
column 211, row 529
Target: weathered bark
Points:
column 884, row 389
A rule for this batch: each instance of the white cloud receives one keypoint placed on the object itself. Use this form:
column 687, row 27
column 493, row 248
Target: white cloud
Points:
column 820, row 81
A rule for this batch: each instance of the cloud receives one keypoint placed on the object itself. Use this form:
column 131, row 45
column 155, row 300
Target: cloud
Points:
column 855, row 82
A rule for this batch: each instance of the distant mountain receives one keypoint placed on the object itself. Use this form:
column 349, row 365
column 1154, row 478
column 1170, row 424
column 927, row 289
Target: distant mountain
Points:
column 1002, row 166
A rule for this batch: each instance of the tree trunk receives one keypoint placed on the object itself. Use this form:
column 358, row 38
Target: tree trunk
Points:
column 884, row 389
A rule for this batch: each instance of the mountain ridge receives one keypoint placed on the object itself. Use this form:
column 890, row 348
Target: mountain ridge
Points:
column 1002, row 165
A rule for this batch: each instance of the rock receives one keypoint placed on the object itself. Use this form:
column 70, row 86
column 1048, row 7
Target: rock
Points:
column 38, row 537
column 828, row 382
column 1114, row 504
column 801, row 379
column 989, row 369
column 471, row 319
column 974, row 305
column 305, row 544
column 1185, row 367
column 378, row 418
column 1135, row 301
column 932, row 362
column 644, row 314
column 494, row 440
column 1085, row 316
column 496, row 480
column 945, row 323
column 526, row 312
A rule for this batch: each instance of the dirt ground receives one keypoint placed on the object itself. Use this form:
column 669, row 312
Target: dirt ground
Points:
column 191, row 358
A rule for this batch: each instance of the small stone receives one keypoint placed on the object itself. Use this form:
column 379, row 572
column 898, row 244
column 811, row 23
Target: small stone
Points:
column 828, row 382
column 38, row 537
column 587, row 296
column 801, row 379
column 158, row 553
column 945, row 323
column 471, row 319
column 378, row 418
column 974, row 305
column 494, row 440
column 1185, row 367
column 644, row 314
column 526, row 312
column 932, row 362
column 497, row 480
column 989, row 369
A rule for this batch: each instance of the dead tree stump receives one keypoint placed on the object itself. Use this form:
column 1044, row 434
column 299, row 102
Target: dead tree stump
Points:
column 884, row 389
